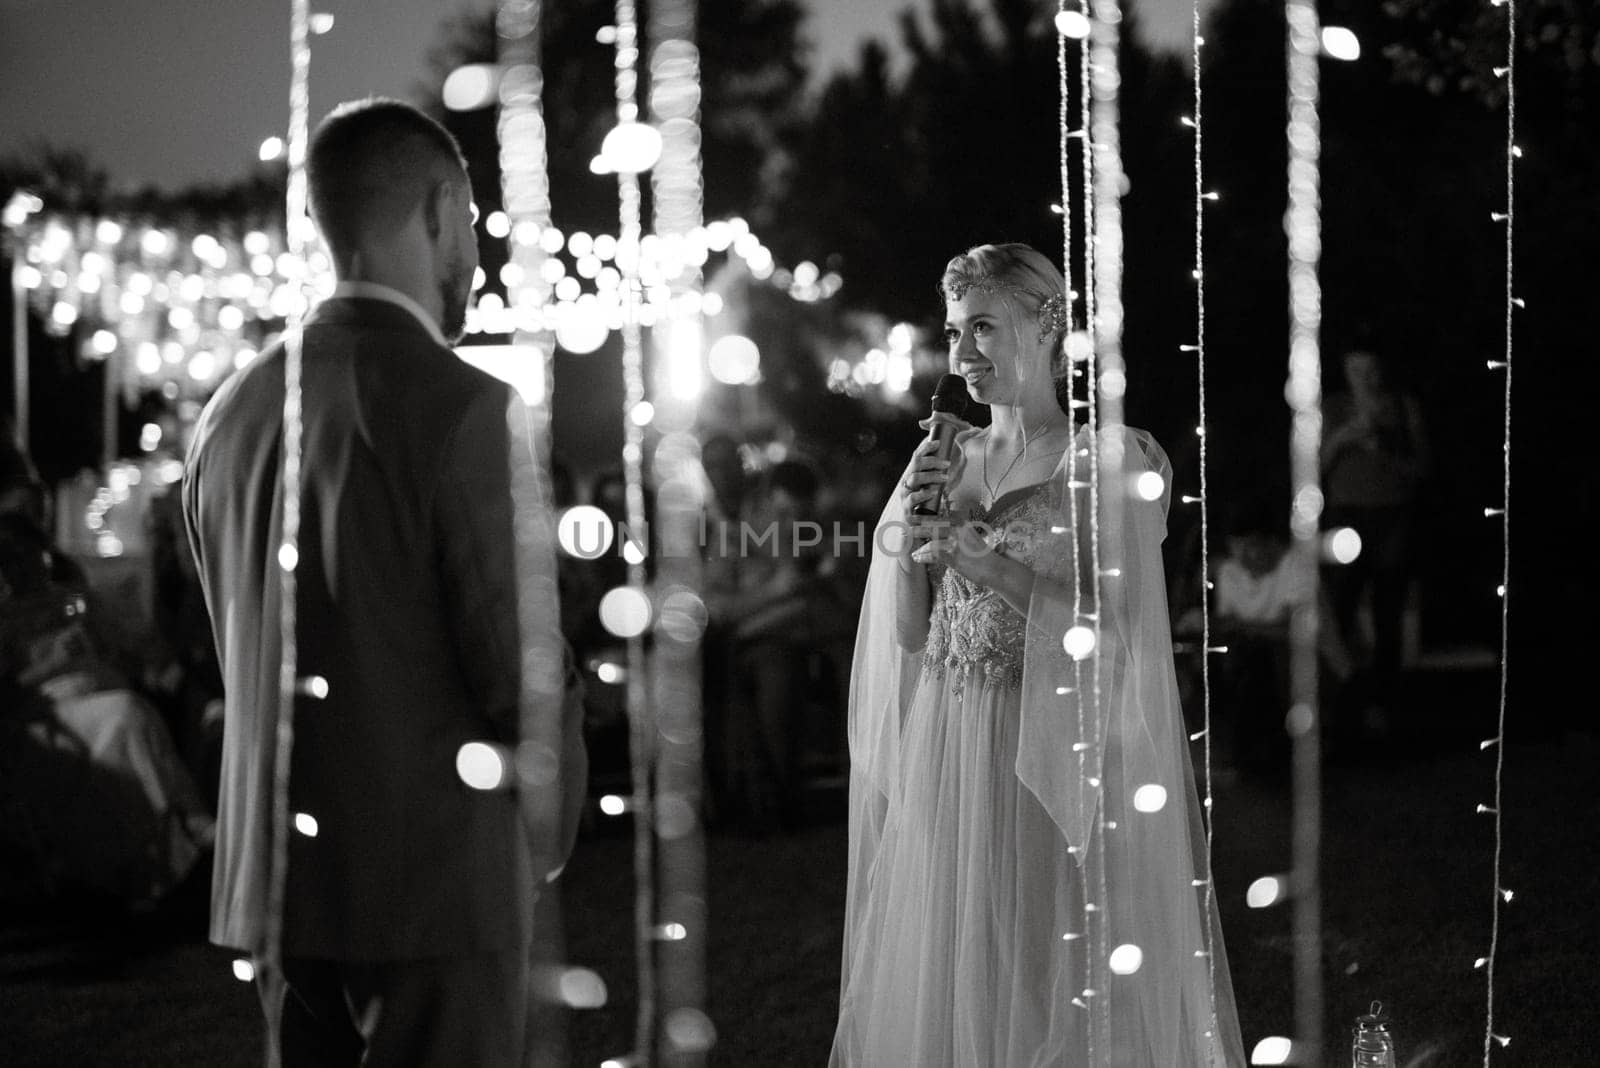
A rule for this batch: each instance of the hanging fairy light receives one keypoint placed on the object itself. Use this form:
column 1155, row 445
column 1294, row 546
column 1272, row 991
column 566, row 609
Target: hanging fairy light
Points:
column 293, row 431
column 1104, row 186
column 518, row 81
column 1207, row 650
column 1305, row 399
column 642, row 732
column 1501, row 895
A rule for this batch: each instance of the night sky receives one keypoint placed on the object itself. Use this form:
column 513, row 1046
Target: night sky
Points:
column 176, row 91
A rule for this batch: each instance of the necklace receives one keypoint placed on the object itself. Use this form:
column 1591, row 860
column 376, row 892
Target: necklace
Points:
column 994, row 489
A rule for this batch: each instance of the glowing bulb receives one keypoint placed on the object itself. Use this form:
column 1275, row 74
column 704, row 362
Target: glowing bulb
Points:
column 581, row 328
column 149, row 437
column 1151, row 797
column 631, row 553
column 1343, row 545
column 320, row 22
column 1113, row 384
column 631, row 148
column 1264, row 892
column 581, row 988
column 612, row 805
column 1072, row 24
column 734, row 360
column 203, row 366
column 1150, row 486
column 243, row 970
column 64, row 314
column 1274, row 1049
column 104, row 342
column 642, row 414
column 609, row 673
column 1299, row 720
column 585, row 531
column 149, row 359
column 306, row 824
column 288, row 557
column 481, row 766
column 1126, row 959
column 671, row 932
column 1340, row 43
column 689, row 1030
column 470, row 87
column 107, row 232
column 498, row 224
column 1078, row 642
column 625, row 612
column 270, row 149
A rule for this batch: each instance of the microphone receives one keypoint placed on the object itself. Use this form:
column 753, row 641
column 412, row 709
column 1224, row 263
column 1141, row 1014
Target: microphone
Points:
column 949, row 405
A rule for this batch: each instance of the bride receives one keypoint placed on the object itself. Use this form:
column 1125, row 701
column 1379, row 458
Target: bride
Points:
column 1028, row 883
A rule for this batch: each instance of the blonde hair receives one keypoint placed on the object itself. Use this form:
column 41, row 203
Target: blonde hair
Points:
column 1020, row 270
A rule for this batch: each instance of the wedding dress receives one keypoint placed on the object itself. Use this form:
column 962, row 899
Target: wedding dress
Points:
column 1028, row 874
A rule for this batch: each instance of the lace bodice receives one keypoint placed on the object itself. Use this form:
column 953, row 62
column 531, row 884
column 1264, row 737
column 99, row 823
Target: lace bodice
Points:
column 971, row 627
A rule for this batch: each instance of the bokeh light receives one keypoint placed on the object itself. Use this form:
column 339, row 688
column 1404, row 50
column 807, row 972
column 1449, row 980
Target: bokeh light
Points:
column 1151, row 797
column 1340, row 43
column 481, row 766
column 1149, row 486
column 1265, row 892
column 1343, row 545
column 734, row 360
column 470, row 87
column 1275, row 1049
column 625, row 612
column 1073, row 24
column 585, row 531
column 1126, row 959
column 581, row 988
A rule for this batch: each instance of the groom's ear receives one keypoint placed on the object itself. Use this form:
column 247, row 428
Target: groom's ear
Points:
column 436, row 207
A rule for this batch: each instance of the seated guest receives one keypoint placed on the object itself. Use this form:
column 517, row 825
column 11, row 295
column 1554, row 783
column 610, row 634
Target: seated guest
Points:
column 1258, row 584
column 99, row 800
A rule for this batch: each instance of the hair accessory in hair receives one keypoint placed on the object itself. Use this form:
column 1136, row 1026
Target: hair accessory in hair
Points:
column 957, row 288
column 1053, row 316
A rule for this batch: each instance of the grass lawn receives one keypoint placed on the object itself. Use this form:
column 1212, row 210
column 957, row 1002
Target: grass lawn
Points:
column 1406, row 908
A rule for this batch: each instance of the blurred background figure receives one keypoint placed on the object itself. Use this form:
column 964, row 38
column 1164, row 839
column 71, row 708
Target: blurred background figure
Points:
column 783, row 627
column 1375, row 457
column 94, row 799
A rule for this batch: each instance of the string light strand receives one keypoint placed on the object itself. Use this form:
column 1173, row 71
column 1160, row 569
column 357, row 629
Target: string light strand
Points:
column 1209, row 813
column 642, row 733
column 288, row 555
column 678, row 202
column 1305, row 398
column 1502, row 896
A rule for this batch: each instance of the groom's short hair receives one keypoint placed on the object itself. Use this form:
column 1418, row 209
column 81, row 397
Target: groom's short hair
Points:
column 370, row 162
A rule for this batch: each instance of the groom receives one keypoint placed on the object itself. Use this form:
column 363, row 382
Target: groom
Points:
column 409, row 895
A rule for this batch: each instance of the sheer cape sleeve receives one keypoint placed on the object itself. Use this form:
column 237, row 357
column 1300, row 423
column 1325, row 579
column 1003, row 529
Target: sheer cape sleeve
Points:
column 883, row 678
column 1104, row 748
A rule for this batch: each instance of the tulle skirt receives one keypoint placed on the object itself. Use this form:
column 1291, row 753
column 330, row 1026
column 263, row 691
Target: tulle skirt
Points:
column 966, row 950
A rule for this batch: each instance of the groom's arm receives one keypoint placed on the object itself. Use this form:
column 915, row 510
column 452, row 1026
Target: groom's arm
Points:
column 477, row 546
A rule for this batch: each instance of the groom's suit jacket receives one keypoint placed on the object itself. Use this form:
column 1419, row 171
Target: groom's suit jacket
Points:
column 406, row 606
